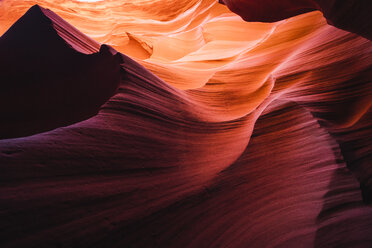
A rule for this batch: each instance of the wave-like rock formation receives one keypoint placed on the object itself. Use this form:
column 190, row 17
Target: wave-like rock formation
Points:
column 190, row 128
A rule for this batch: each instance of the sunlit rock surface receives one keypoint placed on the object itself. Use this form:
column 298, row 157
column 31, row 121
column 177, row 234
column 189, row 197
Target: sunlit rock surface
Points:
column 190, row 128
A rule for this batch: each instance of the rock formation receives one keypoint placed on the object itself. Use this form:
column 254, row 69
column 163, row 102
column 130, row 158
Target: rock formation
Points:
column 183, row 125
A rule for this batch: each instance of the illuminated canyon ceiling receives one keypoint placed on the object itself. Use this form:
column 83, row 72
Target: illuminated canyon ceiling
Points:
column 185, row 123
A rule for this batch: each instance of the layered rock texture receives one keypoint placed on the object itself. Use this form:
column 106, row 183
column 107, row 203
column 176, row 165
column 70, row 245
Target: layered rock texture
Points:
column 175, row 123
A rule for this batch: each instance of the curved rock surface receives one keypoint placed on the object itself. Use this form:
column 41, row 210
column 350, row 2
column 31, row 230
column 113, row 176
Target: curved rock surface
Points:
column 203, row 130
